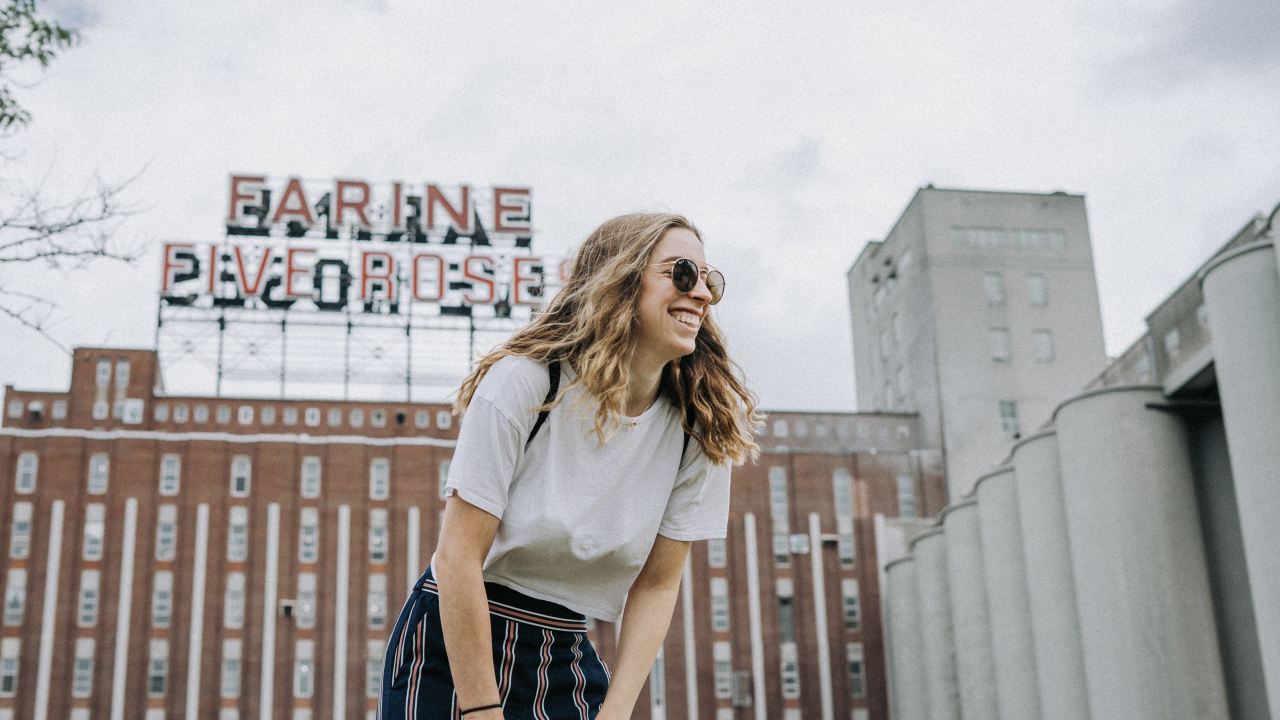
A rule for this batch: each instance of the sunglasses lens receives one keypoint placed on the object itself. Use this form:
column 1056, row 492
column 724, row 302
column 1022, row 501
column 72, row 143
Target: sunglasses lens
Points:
column 715, row 285
column 684, row 274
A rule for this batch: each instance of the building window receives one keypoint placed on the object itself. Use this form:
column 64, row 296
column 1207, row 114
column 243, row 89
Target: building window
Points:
column 1172, row 343
column 422, row 419
column 231, row 655
column 170, row 472
column 379, row 478
column 716, row 556
column 377, row 600
column 852, row 604
column 993, row 288
column 857, row 684
column 82, row 669
column 59, row 409
column 442, row 471
column 15, row 409
column 1038, row 289
column 269, row 415
column 842, row 492
column 1001, row 350
column 238, row 534
column 900, row 380
column 778, row 508
column 377, row 536
column 310, row 477
column 378, row 418
column 201, row 414
column 15, row 596
column 161, row 412
column 311, row 417
column 24, row 480
column 20, row 531
column 9, row 648
column 244, row 414
column 723, row 669
column 103, row 376
column 157, row 668
column 181, row 413
column 224, row 414
column 87, row 605
column 99, row 465
column 233, row 602
column 335, row 417
column 100, row 410
column 95, row 518
column 780, row 428
column 241, row 469
column 444, row 419
column 306, row 600
column 1009, row 417
column 373, row 668
column 162, row 599
column 304, row 681
column 719, row 604
column 786, row 611
column 309, row 536
column 289, row 416
column 907, row 496
column 166, row 532
column 1042, row 344
column 356, row 417
column 790, row 671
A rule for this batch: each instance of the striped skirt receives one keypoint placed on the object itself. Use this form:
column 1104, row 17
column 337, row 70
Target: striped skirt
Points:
column 544, row 663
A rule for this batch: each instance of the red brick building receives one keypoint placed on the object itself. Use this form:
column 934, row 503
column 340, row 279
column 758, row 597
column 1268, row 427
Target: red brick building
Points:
column 214, row 557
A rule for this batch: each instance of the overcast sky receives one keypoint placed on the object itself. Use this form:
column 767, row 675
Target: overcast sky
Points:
column 790, row 133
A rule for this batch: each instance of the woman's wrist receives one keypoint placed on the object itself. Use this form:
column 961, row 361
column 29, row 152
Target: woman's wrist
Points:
column 478, row 712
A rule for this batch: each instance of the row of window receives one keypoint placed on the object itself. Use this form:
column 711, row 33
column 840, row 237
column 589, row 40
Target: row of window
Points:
column 241, row 474
column 1001, row 345
column 289, row 415
column 850, row 604
column 843, row 430
column 736, row 686
column 1037, row 289
column 785, row 543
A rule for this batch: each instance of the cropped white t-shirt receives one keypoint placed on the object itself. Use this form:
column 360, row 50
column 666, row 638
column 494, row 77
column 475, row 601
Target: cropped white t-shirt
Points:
column 578, row 518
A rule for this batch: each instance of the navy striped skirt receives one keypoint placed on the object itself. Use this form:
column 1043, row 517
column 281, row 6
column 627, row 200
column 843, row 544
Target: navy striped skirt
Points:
column 544, row 663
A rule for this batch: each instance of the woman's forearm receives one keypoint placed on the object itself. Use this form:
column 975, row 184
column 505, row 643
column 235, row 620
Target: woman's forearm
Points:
column 464, row 615
column 645, row 624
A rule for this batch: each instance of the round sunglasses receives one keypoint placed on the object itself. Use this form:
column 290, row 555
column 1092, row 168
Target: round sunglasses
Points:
column 685, row 273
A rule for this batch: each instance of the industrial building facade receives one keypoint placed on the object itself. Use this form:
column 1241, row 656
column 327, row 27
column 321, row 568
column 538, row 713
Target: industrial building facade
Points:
column 1121, row 562
column 211, row 557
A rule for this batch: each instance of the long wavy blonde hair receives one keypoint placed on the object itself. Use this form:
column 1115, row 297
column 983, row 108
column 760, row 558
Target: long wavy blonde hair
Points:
column 593, row 324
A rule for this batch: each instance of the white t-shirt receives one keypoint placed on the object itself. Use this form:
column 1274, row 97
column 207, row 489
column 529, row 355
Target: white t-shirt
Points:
column 578, row 519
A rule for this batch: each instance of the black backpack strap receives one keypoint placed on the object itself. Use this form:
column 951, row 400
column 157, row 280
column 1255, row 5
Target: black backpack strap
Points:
column 553, row 369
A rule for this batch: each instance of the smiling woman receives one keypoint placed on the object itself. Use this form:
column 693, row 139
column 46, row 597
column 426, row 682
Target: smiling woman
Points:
column 651, row 415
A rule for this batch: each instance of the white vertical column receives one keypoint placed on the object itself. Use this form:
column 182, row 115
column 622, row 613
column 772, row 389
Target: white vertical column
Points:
column 690, row 652
column 908, row 693
column 658, row 687
column 44, row 666
column 270, row 589
column 975, row 669
column 936, row 635
column 1046, row 549
column 820, row 615
column 413, row 570
column 1242, row 299
column 1147, row 621
column 1008, row 608
column 195, row 649
column 340, row 609
column 753, row 608
column 124, row 608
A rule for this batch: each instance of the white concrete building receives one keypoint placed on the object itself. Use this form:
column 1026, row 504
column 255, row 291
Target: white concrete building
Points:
column 978, row 311
column 1144, row 512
